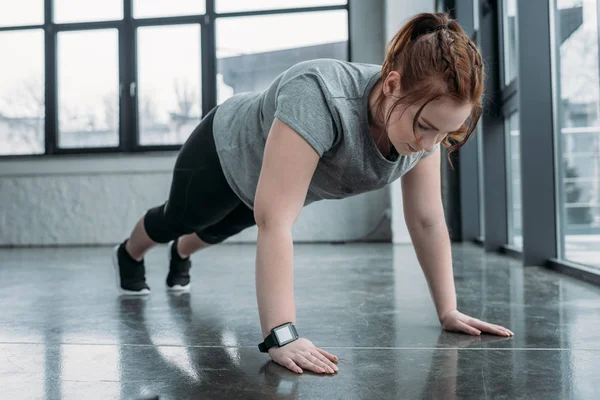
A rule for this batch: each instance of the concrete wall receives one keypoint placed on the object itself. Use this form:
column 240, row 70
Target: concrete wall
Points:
column 96, row 199
column 396, row 14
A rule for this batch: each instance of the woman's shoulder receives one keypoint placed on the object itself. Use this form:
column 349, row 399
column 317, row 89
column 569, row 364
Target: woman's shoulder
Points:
column 326, row 66
column 340, row 78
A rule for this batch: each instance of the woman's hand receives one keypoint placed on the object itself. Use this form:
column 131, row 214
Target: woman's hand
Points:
column 456, row 321
column 301, row 353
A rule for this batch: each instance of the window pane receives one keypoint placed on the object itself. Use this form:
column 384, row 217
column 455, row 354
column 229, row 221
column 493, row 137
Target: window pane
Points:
column 169, row 77
column 22, row 12
column 22, row 92
column 515, row 205
column 579, row 141
column 88, row 83
column 510, row 41
column 224, row 6
column 162, row 8
column 250, row 56
column 480, row 179
column 86, row 11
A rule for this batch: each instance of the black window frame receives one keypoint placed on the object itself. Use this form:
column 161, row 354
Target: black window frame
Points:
column 127, row 28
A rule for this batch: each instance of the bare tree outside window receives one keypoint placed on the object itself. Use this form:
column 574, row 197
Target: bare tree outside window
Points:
column 187, row 98
column 169, row 95
column 22, row 92
column 88, row 101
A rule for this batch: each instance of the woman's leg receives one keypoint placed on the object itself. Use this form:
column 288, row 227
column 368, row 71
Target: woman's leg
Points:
column 238, row 220
column 199, row 197
column 139, row 242
column 189, row 244
column 178, row 278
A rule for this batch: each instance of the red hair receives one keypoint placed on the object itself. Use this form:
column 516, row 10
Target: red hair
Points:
column 436, row 59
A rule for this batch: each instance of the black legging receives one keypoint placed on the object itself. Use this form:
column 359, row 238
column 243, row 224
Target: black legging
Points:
column 200, row 199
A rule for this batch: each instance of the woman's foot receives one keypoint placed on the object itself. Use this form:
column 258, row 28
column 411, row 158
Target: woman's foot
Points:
column 178, row 279
column 130, row 273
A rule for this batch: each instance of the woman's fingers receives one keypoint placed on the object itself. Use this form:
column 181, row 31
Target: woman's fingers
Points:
column 317, row 359
column 485, row 327
column 302, row 354
column 328, row 355
column 309, row 364
column 292, row 366
column 502, row 329
column 491, row 328
column 325, row 360
column 467, row 328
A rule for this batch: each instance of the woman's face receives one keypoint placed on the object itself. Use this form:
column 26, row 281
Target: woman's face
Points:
column 437, row 120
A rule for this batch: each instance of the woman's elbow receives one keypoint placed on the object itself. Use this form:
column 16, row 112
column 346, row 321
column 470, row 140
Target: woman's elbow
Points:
column 268, row 218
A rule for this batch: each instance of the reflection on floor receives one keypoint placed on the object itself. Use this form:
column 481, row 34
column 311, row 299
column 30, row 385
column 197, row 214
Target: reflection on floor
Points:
column 65, row 334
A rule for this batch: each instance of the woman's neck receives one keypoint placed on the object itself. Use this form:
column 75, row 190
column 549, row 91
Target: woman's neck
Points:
column 375, row 121
column 376, row 125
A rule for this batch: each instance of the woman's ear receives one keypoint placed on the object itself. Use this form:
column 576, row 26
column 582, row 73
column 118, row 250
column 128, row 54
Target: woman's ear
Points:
column 391, row 85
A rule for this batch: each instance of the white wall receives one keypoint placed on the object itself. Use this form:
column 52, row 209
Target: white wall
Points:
column 396, row 14
column 96, row 199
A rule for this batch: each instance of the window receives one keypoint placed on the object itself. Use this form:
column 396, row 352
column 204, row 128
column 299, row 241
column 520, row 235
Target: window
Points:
column 138, row 75
column 88, row 85
column 171, row 8
column 21, row 13
column 510, row 106
column 22, row 92
column 513, row 163
column 509, row 28
column 250, row 56
column 480, row 180
column 225, row 6
column 479, row 134
column 169, row 106
column 87, row 11
column 578, row 104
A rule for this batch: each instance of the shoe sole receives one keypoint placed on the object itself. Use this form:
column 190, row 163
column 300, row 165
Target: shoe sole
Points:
column 179, row 288
column 176, row 288
column 115, row 261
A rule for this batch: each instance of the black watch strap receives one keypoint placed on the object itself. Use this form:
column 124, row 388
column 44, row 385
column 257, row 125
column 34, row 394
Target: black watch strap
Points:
column 268, row 343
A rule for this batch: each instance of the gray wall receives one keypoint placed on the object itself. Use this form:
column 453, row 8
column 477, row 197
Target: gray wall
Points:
column 93, row 199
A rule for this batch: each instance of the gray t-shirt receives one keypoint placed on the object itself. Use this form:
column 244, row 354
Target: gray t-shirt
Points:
column 326, row 102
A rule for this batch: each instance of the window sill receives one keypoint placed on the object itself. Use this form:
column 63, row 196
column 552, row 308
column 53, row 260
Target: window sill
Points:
column 88, row 164
column 578, row 271
column 512, row 251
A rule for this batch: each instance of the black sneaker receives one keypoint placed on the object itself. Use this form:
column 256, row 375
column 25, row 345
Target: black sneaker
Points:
column 178, row 279
column 130, row 274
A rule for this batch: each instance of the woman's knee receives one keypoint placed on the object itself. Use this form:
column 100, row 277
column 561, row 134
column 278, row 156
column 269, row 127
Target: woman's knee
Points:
column 162, row 226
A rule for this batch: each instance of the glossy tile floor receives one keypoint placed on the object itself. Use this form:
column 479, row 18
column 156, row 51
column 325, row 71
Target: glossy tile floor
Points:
column 65, row 334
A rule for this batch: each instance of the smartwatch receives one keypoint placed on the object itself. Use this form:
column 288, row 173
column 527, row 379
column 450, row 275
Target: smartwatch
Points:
column 279, row 336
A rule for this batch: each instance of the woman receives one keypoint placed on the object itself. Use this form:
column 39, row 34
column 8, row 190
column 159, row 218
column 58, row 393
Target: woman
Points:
column 324, row 129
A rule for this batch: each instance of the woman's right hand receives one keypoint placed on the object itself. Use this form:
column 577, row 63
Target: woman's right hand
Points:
column 301, row 353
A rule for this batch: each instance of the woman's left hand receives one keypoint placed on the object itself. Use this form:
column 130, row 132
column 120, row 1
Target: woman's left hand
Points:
column 456, row 321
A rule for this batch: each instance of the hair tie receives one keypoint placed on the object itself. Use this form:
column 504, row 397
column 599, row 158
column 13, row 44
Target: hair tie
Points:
column 441, row 27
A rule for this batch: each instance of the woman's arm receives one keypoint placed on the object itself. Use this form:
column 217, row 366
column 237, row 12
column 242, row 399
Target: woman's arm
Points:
column 288, row 166
column 424, row 215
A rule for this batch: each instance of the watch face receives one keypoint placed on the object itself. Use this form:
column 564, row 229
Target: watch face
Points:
column 283, row 334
